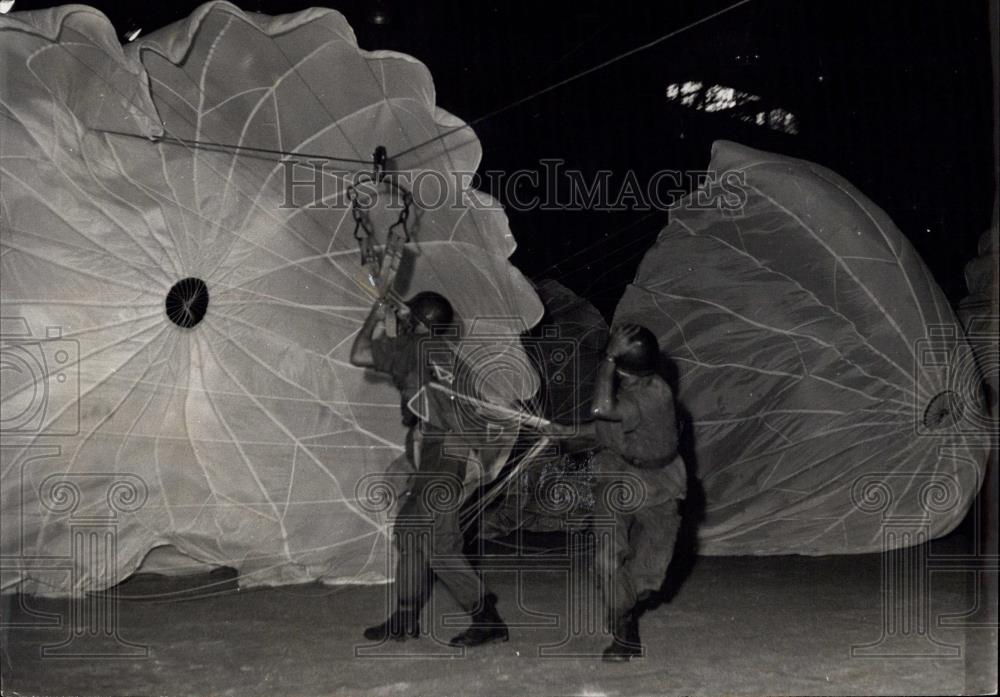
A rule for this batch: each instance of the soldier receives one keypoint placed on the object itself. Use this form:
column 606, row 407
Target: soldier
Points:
column 636, row 430
column 439, row 455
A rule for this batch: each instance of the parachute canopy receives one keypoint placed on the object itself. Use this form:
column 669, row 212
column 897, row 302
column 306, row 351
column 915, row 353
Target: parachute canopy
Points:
column 835, row 401
column 571, row 343
column 178, row 317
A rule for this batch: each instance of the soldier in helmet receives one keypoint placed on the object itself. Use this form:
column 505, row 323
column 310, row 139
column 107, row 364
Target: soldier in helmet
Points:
column 435, row 448
column 641, row 479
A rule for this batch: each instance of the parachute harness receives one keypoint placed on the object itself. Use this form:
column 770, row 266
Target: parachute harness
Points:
column 383, row 264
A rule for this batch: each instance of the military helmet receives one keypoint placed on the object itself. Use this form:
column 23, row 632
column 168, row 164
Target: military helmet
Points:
column 431, row 308
column 642, row 354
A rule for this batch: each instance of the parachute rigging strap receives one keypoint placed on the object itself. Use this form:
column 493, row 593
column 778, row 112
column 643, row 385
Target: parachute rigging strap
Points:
column 381, row 265
column 379, row 262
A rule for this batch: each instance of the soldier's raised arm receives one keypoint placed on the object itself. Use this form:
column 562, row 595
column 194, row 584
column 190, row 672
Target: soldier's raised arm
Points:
column 631, row 349
column 361, row 351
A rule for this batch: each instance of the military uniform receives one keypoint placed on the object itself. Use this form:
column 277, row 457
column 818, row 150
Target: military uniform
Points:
column 638, row 456
column 427, row 529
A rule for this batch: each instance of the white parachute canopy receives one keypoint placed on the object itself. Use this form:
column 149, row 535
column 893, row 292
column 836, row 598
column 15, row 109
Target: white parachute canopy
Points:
column 246, row 439
column 835, row 402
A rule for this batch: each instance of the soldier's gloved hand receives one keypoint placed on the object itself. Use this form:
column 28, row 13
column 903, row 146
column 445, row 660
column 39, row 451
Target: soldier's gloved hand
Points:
column 621, row 338
column 402, row 313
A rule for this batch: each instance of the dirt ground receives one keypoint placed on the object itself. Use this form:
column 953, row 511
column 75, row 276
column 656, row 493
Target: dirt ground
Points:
column 746, row 626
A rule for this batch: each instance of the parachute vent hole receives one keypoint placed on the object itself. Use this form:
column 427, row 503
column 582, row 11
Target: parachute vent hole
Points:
column 187, row 302
column 944, row 410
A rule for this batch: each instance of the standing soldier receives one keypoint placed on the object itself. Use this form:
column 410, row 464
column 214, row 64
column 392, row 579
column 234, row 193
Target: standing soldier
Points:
column 439, row 454
column 636, row 430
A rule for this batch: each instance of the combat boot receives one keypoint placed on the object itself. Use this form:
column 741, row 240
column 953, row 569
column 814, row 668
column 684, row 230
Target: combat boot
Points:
column 487, row 626
column 625, row 643
column 403, row 624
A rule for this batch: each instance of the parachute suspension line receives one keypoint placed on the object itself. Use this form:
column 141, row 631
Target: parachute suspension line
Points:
column 467, row 518
column 613, row 237
column 574, row 77
column 229, row 147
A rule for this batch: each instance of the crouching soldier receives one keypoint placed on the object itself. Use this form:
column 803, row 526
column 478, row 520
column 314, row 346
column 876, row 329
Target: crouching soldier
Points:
column 640, row 480
column 438, row 453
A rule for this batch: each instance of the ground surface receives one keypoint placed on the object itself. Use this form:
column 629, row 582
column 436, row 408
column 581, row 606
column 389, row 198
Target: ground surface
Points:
column 778, row 625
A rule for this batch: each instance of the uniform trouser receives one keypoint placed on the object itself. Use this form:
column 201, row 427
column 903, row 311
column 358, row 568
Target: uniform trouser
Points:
column 634, row 543
column 427, row 529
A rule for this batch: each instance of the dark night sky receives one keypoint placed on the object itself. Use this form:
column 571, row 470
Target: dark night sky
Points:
column 903, row 109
